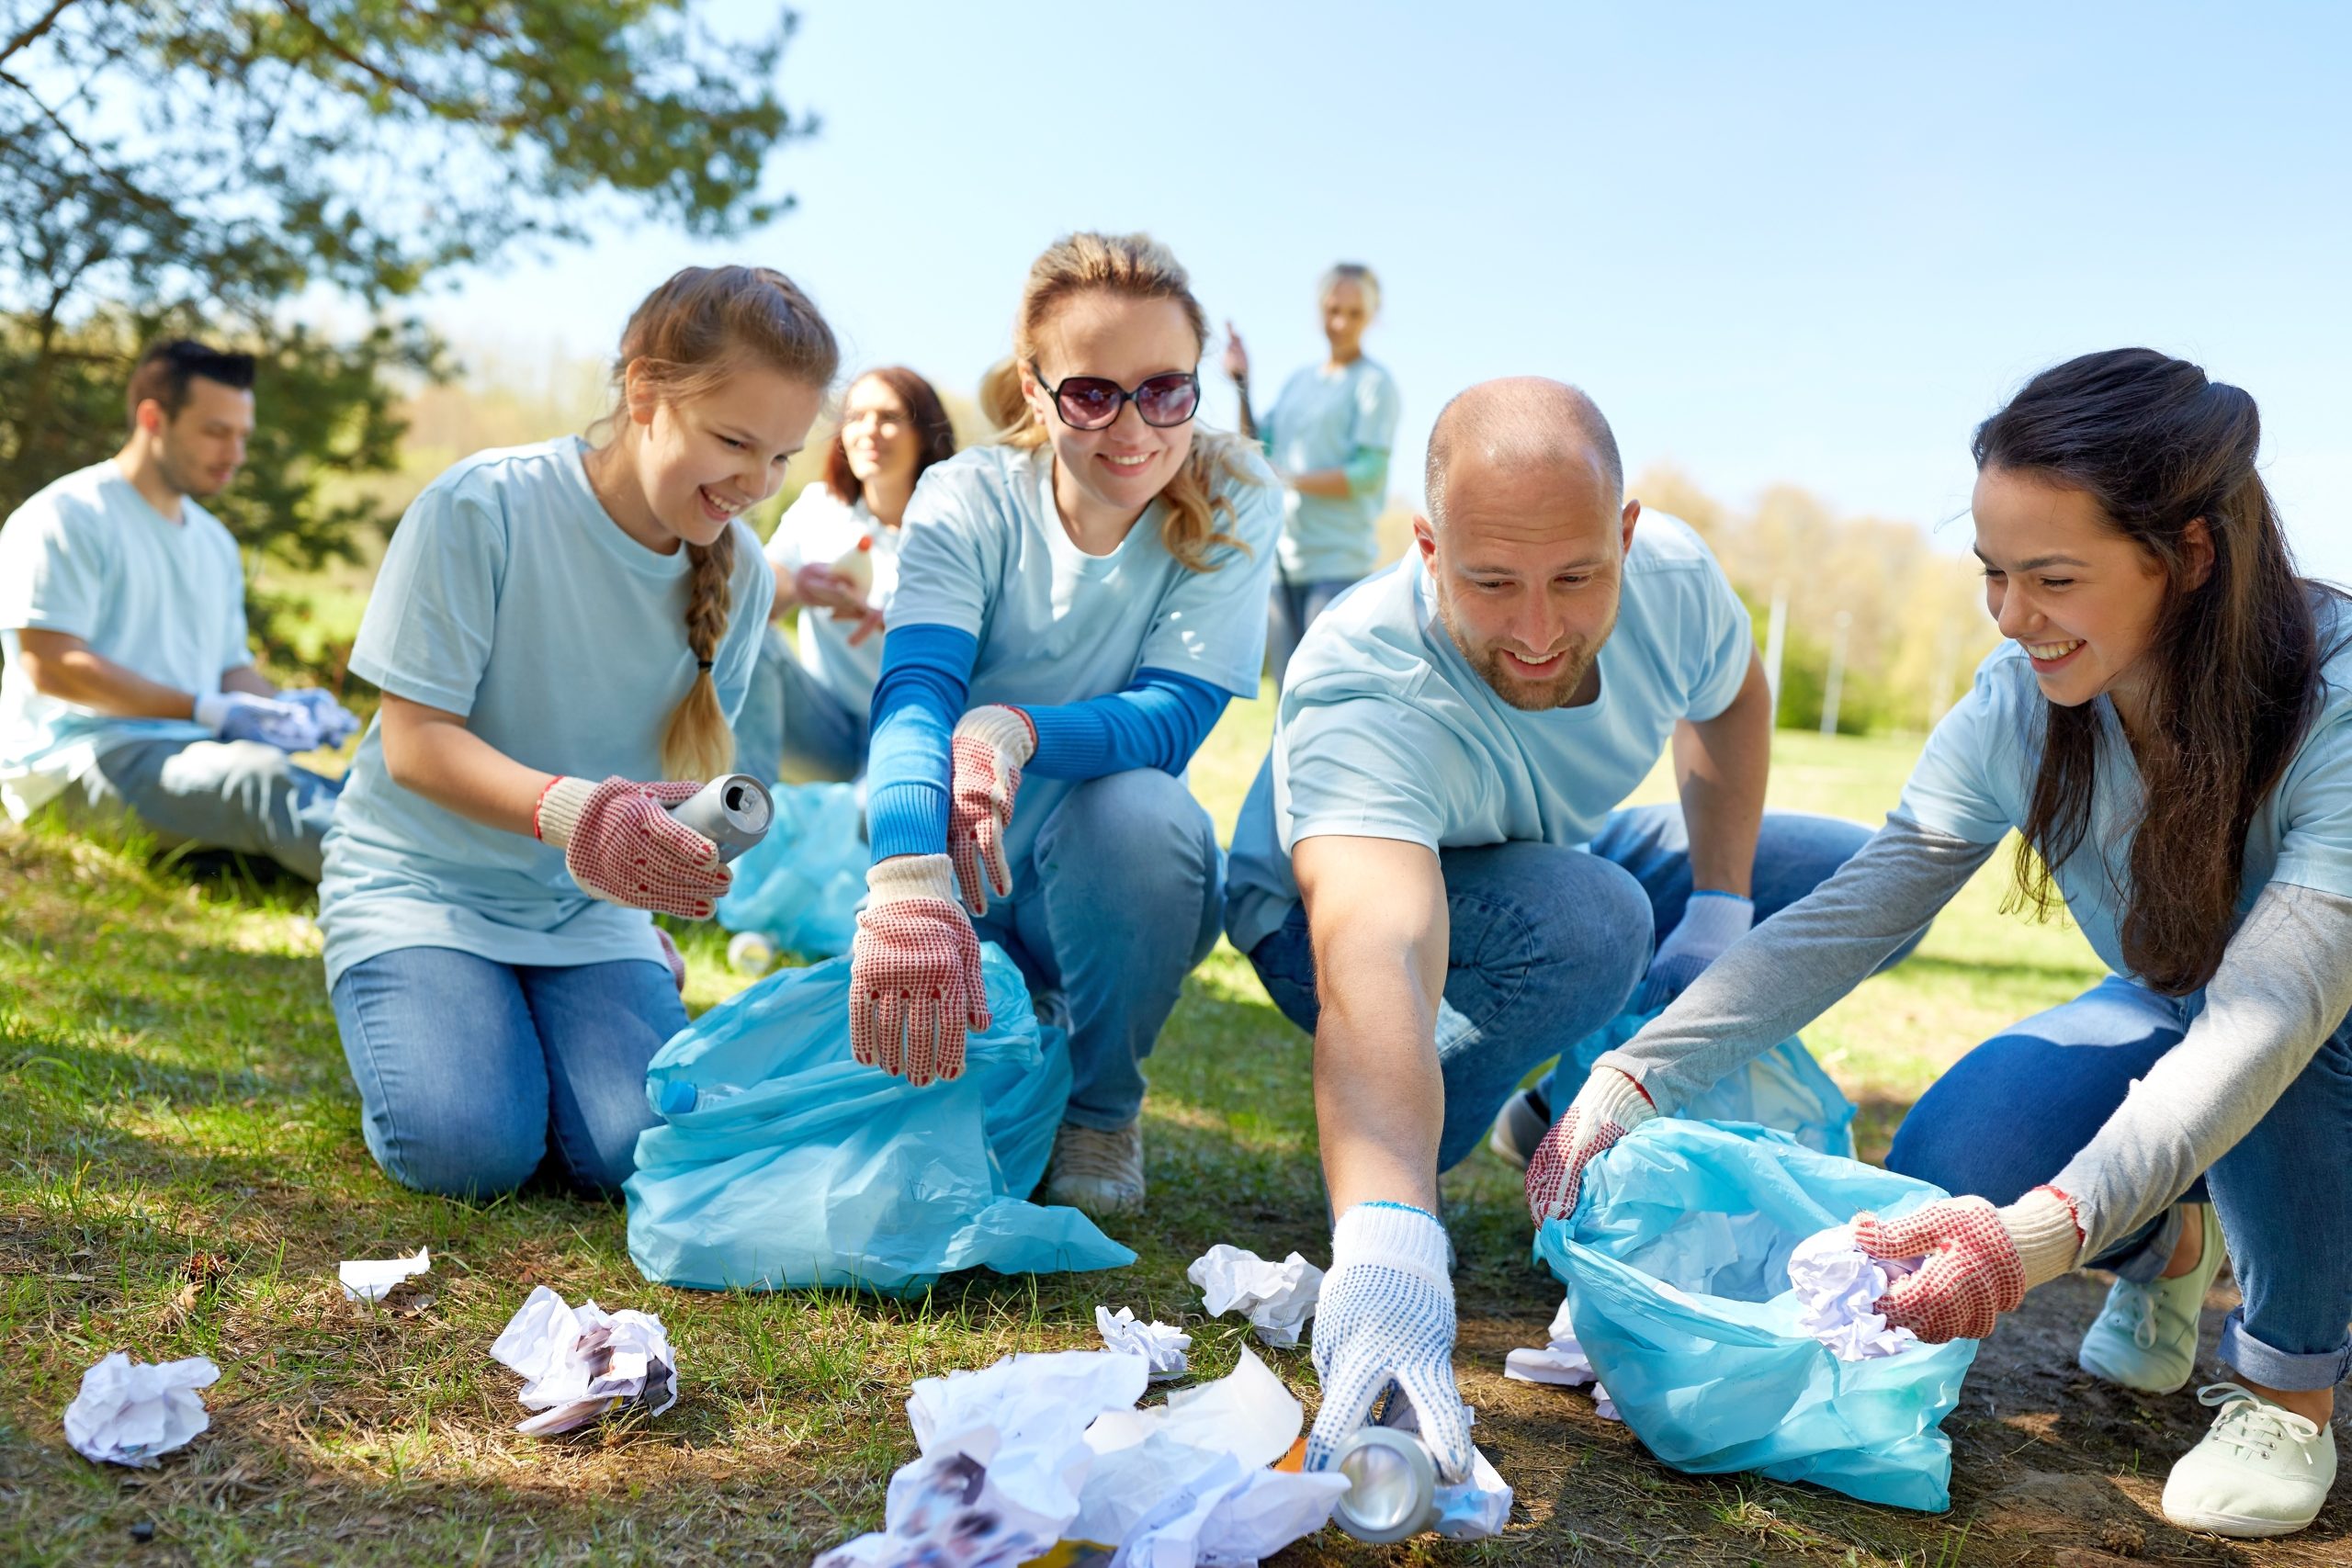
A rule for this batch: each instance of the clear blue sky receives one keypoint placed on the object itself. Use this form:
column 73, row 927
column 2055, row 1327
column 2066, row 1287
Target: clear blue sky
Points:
column 1813, row 243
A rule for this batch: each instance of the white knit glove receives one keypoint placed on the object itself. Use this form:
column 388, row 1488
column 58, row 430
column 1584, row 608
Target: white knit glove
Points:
column 1710, row 922
column 1386, row 1319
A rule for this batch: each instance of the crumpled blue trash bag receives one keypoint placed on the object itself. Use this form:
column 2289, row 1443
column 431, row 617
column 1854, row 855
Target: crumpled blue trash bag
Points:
column 1783, row 1089
column 780, row 1162
column 799, row 885
column 1676, row 1266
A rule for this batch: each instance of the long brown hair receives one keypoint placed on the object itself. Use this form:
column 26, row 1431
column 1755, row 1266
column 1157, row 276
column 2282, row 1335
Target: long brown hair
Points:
column 1134, row 267
column 934, row 434
column 2232, row 672
column 687, row 337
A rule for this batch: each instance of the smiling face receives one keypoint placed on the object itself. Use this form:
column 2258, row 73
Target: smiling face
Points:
column 878, row 431
column 1109, row 476
column 2081, row 597
column 1346, row 313
column 700, row 462
column 1527, row 569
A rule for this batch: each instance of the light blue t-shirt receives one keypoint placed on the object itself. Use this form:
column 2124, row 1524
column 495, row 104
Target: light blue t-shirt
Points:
column 89, row 556
column 1975, row 779
column 985, row 552
column 1385, row 730
column 1323, row 419
column 510, row 596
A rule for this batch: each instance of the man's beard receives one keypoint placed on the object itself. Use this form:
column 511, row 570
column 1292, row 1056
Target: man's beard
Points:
column 1529, row 696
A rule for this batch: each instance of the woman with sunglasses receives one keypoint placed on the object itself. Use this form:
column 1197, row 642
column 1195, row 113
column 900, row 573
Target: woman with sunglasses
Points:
column 1329, row 435
column 1075, row 602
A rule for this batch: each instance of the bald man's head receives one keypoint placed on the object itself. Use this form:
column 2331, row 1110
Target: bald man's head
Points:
column 1526, row 426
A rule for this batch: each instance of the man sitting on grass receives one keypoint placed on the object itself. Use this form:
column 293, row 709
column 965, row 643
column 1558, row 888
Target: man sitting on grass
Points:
column 1432, row 876
column 130, row 685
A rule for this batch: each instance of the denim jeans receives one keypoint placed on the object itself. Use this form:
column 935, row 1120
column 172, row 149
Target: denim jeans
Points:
column 221, row 795
column 1124, row 899
column 465, row 1064
column 792, row 729
column 1291, row 608
column 1546, row 943
column 2008, row 1116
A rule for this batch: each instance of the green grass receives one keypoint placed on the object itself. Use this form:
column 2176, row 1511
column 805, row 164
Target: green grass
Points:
column 174, row 1087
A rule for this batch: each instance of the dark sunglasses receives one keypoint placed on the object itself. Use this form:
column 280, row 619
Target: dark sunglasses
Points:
column 1092, row 402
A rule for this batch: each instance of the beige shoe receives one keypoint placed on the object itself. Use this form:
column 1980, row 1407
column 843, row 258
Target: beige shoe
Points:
column 1099, row 1172
column 2261, row 1470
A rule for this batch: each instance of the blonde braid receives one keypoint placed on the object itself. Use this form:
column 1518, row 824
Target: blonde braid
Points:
column 698, row 744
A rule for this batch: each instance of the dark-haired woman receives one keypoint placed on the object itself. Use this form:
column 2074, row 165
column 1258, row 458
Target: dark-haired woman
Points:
column 835, row 552
column 2169, row 726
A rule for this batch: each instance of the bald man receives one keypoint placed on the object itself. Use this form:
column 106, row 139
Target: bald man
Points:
column 1432, row 874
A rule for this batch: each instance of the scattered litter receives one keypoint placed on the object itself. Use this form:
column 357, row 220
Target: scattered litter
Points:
column 1838, row 1284
column 1277, row 1297
column 1562, row 1362
column 1158, row 1342
column 129, row 1412
column 579, row 1363
column 749, row 952
column 1469, row 1509
column 1046, row 1448
column 373, row 1279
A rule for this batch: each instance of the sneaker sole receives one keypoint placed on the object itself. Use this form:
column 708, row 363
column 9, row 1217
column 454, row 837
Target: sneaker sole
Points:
column 1516, row 1122
column 2234, row 1527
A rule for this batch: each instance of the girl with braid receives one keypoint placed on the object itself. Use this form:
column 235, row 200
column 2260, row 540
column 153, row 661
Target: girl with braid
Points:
column 562, row 633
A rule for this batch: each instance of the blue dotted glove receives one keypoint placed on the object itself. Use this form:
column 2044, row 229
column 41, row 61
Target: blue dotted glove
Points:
column 1386, row 1320
column 334, row 723
column 241, row 716
column 1710, row 922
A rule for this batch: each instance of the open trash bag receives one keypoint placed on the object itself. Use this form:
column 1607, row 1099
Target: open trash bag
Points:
column 1784, row 1088
column 799, row 885
column 1677, row 1263
column 781, row 1161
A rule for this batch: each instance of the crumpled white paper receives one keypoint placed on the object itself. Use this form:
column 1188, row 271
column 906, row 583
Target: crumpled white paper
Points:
column 373, row 1279
column 1040, row 1449
column 1278, row 1298
column 577, row 1363
column 1836, row 1284
column 1561, row 1361
column 129, row 1412
column 1160, row 1343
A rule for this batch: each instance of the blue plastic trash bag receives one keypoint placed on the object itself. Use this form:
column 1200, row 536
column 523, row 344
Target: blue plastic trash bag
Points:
column 1783, row 1089
column 1676, row 1266
column 781, row 1161
column 799, row 885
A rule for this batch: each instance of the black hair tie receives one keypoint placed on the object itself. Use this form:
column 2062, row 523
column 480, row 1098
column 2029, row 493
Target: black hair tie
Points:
column 703, row 665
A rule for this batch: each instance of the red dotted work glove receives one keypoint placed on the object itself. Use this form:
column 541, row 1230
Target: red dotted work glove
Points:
column 990, row 745
column 621, row 844
column 1975, row 1261
column 915, row 987
column 1609, row 1106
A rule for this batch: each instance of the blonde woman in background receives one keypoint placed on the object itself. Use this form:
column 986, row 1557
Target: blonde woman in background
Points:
column 1329, row 435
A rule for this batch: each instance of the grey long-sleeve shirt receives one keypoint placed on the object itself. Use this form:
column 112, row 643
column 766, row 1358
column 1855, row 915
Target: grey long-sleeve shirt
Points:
column 2284, row 985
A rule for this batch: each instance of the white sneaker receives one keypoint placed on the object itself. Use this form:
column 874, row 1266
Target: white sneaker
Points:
column 2145, row 1336
column 1100, row 1172
column 2261, row 1470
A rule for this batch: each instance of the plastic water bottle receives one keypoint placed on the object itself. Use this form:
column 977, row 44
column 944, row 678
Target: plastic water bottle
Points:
column 750, row 952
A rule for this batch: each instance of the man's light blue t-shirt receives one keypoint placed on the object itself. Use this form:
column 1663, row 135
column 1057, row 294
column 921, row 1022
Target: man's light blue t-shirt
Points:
column 1385, row 730
column 985, row 552
column 1333, row 419
column 89, row 557
column 1975, row 780
column 511, row 597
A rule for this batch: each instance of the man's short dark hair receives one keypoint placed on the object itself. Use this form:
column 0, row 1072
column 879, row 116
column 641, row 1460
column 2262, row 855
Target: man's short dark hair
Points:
column 164, row 372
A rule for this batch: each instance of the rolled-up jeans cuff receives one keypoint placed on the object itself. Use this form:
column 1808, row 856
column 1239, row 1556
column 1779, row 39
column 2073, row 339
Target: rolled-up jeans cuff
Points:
column 2282, row 1370
column 2145, row 1263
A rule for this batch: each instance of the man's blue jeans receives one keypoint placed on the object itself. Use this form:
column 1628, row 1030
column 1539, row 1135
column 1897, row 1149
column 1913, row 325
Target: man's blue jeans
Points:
column 1547, row 944
column 1124, row 899
column 792, row 729
column 2008, row 1116
column 465, row 1066
column 1291, row 608
column 218, row 794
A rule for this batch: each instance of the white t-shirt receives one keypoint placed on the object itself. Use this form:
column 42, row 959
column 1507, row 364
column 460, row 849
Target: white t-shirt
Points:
column 89, row 557
column 1385, row 730
column 817, row 528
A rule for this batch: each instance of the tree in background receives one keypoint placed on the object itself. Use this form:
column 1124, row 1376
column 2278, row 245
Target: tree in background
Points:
column 211, row 167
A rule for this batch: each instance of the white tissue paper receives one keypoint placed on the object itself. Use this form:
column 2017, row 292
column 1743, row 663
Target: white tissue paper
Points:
column 1036, row 1450
column 1562, row 1362
column 578, row 1363
column 1836, row 1284
column 1278, row 1298
column 1163, row 1346
column 129, row 1412
column 373, row 1279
